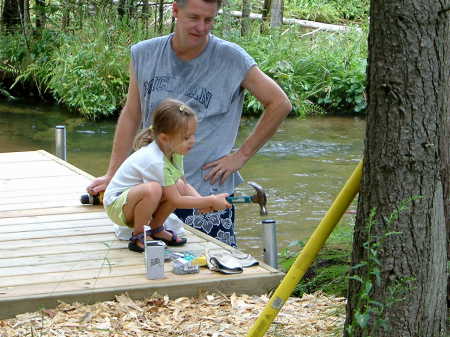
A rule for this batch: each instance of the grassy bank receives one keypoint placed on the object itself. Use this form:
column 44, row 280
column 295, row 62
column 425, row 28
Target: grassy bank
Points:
column 329, row 272
column 86, row 69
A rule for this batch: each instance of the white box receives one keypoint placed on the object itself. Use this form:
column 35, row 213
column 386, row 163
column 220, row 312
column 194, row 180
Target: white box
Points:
column 154, row 259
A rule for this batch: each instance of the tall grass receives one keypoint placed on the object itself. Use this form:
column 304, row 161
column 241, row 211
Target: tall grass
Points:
column 87, row 69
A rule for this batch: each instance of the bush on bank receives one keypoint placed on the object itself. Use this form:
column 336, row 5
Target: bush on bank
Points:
column 87, row 70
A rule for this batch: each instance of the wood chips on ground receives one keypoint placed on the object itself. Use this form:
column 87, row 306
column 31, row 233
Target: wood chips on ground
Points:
column 213, row 315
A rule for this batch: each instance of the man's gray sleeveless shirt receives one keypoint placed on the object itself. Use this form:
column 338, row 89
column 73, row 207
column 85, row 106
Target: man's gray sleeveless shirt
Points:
column 210, row 85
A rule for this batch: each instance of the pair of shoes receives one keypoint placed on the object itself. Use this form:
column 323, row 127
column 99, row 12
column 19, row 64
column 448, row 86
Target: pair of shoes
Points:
column 135, row 238
column 172, row 242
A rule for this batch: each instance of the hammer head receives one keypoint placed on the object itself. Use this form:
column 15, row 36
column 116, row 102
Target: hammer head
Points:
column 259, row 198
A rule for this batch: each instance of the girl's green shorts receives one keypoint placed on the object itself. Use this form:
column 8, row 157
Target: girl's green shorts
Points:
column 115, row 210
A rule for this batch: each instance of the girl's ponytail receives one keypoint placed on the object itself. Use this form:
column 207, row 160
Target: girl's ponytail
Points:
column 143, row 138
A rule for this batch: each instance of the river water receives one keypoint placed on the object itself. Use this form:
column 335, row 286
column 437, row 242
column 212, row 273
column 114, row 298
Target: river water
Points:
column 302, row 168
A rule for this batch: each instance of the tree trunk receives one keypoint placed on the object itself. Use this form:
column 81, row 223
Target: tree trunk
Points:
column 13, row 11
column 40, row 14
column 160, row 16
column 245, row 20
column 276, row 13
column 265, row 15
column 67, row 9
column 399, row 288
column 145, row 15
column 125, row 9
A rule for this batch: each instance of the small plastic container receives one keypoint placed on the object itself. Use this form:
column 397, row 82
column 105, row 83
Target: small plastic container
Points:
column 182, row 266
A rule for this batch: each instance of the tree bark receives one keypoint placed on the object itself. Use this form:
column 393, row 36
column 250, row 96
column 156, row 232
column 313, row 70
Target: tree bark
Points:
column 41, row 18
column 245, row 20
column 13, row 11
column 276, row 13
column 160, row 16
column 265, row 15
column 125, row 9
column 406, row 156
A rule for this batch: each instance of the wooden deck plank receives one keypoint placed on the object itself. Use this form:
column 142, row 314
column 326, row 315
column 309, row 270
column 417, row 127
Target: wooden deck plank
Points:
column 53, row 249
column 26, row 156
column 51, row 193
column 120, row 281
column 92, row 274
column 22, row 244
column 104, row 226
column 99, row 214
column 44, row 226
column 63, row 247
column 74, row 261
column 41, row 183
column 56, row 233
column 63, row 201
column 47, row 211
column 33, row 170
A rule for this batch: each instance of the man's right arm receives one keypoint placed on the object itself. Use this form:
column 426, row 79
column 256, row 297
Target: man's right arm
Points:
column 127, row 126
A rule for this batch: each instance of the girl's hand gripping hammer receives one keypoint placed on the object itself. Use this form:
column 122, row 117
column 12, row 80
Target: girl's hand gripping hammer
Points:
column 259, row 198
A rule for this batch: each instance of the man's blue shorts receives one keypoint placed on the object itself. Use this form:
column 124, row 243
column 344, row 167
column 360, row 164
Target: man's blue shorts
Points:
column 219, row 225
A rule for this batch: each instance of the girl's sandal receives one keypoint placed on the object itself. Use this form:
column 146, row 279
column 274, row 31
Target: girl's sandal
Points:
column 135, row 238
column 172, row 242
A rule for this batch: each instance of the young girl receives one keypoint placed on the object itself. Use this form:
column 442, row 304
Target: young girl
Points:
column 149, row 185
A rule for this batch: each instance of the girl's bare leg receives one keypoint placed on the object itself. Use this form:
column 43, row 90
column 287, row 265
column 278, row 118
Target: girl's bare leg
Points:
column 143, row 201
column 163, row 211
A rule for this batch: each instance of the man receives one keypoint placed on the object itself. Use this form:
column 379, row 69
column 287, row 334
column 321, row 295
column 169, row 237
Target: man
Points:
column 210, row 75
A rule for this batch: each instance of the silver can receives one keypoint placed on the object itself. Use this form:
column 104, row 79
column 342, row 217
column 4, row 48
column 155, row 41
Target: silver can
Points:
column 154, row 259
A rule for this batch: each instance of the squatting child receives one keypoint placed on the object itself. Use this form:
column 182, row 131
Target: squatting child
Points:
column 150, row 184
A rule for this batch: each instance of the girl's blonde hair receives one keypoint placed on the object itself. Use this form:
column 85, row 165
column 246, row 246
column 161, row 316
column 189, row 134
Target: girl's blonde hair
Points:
column 170, row 117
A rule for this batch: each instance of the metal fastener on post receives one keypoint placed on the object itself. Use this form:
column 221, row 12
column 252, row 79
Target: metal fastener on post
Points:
column 270, row 243
column 60, row 142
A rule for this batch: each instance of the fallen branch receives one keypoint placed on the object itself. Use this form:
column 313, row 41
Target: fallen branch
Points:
column 303, row 23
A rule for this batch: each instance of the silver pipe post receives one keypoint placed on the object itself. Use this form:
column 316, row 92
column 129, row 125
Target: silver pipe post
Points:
column 270, row 243
column 60, row 142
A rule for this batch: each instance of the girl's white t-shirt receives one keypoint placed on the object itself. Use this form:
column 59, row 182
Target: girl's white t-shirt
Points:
column 146, row 164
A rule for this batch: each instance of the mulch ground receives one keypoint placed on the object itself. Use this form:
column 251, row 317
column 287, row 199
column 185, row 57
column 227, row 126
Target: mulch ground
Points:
column 212, row 315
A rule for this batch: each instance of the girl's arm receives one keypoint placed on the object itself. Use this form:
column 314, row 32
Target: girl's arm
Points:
column 174, row 197
column 187, row 189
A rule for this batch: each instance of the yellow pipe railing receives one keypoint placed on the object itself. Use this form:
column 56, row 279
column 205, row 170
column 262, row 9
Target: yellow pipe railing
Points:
column 308, row 254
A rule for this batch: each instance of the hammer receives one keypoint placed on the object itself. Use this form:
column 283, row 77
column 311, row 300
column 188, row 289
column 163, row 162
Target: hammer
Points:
column 259, row 198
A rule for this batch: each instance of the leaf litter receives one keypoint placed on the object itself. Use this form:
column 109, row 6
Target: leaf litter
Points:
column 208, row 315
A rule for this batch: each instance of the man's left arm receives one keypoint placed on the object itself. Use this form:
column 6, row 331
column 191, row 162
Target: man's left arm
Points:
column 276, row 107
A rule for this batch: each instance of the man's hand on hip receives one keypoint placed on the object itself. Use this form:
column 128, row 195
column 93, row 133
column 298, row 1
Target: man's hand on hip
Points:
column 221, row 169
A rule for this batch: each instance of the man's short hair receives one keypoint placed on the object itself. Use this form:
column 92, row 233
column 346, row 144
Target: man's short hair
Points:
column 182, row 3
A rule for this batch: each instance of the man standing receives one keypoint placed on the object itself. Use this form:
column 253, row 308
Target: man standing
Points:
column 210, row 75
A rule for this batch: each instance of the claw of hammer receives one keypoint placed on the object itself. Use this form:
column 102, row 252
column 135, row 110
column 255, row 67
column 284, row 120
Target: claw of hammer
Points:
column 259, row 198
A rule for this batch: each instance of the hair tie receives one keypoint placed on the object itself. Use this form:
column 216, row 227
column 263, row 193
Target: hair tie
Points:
column 182, row 107
column 150, row 128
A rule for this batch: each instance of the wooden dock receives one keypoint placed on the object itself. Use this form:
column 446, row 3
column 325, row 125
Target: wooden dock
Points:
column 54, row 249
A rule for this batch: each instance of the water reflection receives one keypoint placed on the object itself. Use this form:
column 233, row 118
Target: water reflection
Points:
column 302, row 168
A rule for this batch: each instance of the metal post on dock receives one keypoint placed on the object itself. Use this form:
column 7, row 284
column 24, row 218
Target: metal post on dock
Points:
column 270, row 243
column 60, row 142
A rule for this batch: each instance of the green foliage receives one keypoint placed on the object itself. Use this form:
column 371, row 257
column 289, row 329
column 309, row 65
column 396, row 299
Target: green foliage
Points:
column 86, row 69
column 90, row 69
column 323, row 72
column 331, row 11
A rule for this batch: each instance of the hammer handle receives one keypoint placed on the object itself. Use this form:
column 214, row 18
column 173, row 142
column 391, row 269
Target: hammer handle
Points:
column 241, row 199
